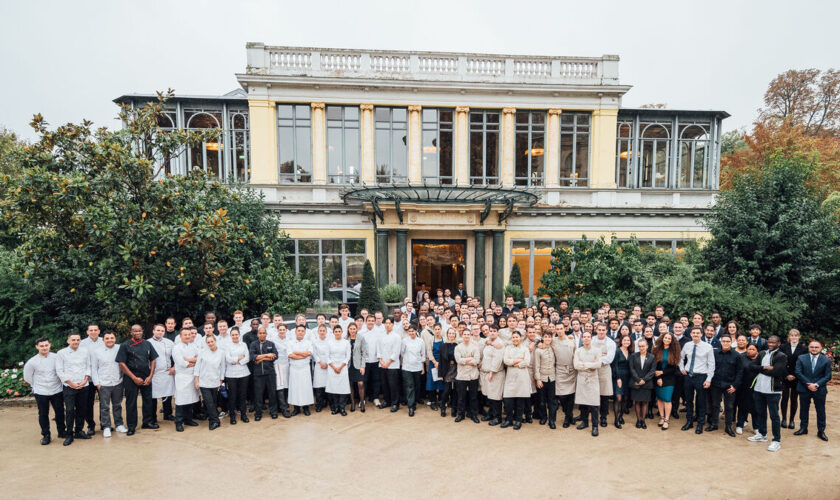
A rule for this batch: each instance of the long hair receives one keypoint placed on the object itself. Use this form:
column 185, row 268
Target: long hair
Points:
column 673, row 350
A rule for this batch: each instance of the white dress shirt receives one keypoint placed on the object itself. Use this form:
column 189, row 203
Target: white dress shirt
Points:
column 704, row 361
column 105, row 370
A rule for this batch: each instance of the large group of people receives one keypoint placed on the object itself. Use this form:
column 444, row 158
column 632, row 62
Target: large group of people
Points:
column 498, row 364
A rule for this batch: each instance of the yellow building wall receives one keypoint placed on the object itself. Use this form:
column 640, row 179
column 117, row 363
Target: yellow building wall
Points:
column 602, row 145
column 263, row 130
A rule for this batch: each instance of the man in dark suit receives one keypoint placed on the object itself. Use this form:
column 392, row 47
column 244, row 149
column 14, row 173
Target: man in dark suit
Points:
column 813, row 371
column 756, row 339
column 792, row 349
column 460, row 291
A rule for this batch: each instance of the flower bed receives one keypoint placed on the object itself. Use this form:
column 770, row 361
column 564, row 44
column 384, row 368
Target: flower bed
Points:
column 11, row 383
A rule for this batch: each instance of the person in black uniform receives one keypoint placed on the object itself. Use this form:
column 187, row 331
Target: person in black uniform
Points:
column 447, row 371
column 263, row 355
column 793, row 348
column 137, row 362
column 728, row 374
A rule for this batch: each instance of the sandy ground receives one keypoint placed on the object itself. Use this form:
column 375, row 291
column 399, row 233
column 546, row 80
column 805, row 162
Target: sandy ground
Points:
column 384, row 455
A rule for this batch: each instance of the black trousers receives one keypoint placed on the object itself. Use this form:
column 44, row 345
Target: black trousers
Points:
column 211, row 402
column 337, row 401
column 75, row 404
column 567, row 403
column 373, row 380
column 589, row 411
column 462, row 387
column 166, row 403
column 263, row 383
column 679, row 392
column 695, row 397
column 547, row 407
column 183, row 413
column 391, row 386
column 789, row 394
column 805, row 399
column 717, row 394
column 447, row 395
column 237, row 392
column 44, row 403
column 515, row 408
column 494, row 408
column 283, row 399
column 745, row 406
column 91, row 398
column 411, row 383
column 131, row 390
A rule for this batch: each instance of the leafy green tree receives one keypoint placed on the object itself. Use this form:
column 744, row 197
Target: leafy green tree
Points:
column 109, row 234
column 369, row 297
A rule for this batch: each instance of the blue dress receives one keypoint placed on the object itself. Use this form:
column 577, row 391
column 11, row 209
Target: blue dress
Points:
column 430, row 384
column 665, row 392
column 621, row 370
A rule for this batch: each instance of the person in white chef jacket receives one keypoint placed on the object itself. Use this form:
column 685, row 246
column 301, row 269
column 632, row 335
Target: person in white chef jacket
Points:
column 300, row 375
column 209, row 377
column 184, row 356
column 338, row 379
column 281, row 366
column 237, row 374
column 163, row 380
column 320, row 354
column 39, row 372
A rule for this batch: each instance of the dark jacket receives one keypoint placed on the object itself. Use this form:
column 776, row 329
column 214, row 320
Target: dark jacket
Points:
column 749, row 369
column 669, row 372
column 265, row 367
column 760, row 343
column 447, row 359
column 639, row 372
column 793, row 357
column 729, row 370
column 778, row 361
column 820, row 376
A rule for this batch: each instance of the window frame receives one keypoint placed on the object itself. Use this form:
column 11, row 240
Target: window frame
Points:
column 390, row 178
column 320, row 254
column 483, row 179
column 437, row 128
column 295, row 177
column 574, row 181
column 528, row 130
column 344, row 178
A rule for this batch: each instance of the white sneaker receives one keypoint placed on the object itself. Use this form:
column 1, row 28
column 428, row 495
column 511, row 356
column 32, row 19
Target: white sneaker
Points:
column 121, row 428
column 758, row 438
column 376, row 402
column 774, row 446
column 757, row 432
column 222, row 414
column 106, row 432
column 739, row 430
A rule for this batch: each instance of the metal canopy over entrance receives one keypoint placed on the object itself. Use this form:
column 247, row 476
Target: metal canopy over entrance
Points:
column 436, row 194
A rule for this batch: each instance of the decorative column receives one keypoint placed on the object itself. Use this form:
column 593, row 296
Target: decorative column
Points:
column 366, row 135
column 415, row 141
column 602, row 166
column 381, row 257
column 552, row 148
column 498, row 274
column 319, row 144
column 263, row 119
column 402, row 257
column 508, row 137
column 480, row 266
column 462, row 146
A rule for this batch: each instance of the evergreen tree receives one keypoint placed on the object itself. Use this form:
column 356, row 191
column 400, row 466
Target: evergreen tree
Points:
column 515, row 275
column 369, row 296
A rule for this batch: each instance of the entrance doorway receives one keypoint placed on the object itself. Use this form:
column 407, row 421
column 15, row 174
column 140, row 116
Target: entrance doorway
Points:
column 437, row 264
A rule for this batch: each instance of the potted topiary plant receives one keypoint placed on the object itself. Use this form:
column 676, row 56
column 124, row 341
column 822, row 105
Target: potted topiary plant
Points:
column 393, row 295
column 516, row 292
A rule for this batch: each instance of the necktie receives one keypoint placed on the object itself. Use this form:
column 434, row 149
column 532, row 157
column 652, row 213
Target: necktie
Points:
column 813, row 364
column 691, row 365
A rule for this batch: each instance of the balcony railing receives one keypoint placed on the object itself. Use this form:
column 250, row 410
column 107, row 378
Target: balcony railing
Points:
column 429, row 66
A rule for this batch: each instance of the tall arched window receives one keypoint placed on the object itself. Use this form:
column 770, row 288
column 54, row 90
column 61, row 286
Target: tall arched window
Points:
column 624, row 155
column 207, row 155
column 693, row 157
column 656, row 149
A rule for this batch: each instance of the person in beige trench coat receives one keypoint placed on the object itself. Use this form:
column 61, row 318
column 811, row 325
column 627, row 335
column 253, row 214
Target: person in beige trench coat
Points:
column 565, row 373
column 492, row 376
column 587, row 390
column 517, row 391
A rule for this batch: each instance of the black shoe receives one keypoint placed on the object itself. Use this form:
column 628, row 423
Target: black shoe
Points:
column 68, row 440
column 443, row 412
column 130, row 432
column 595, row 430
column 411, row 412
column 286, row 414
column 688, row 425
column 191, row 423
column 644, row 425
column 576, row 419
column 257, row 417
column 551, row 424
column 274, row 416
column 244, row 418
column 168, row 417
column 494, row 422
column 603, row 421
column 362, row 407
column 699, row 429
column 617, row 424
column 505, row 424
column 486, row 418
column 395, row 408
column 306, row 411
column 459, row 418
column 821, row 435
column 296, row 411
column 333, row 411
column 711, row 427
column 784, row 423
column 179, row 427
column 317, row 409
column 45, row 440
column 529, row 420
column 81, row 435
column 433, row 406
column 214, row 425
column 343, row 412
column 543, row 421
column 791, row 425
column 517, row 425
column 621, row 419
column 232, row 419
column 582, row 425
column 638, row 424
column 729, row 432
column 801, row 432
column 91, row 430
column 649, row 414
column 475, row 419
column 567, row 422
column 201, row 417
column 150, row 426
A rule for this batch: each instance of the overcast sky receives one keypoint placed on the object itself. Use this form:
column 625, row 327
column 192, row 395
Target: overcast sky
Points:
column 69, row 59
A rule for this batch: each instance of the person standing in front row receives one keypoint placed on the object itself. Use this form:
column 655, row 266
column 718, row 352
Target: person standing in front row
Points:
column 263, row 354
column 39, row 372
column 237, row 358
column 517, row 391
column 108, row 380
column 184, row 357
column 338, row 380
column 492, row 374
column 813, row 370
column 697, row 364
column 793, row 348
column 468, row 358
column 163, row 380
column 767, row 391
column 300, row 374
column 413, row 352
column 209, row 377
column 137, row 361
column 388, row 353
column 728, row 374
column 587, row 391
column 91, row 344
column 73, row 367
column 642, row 370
